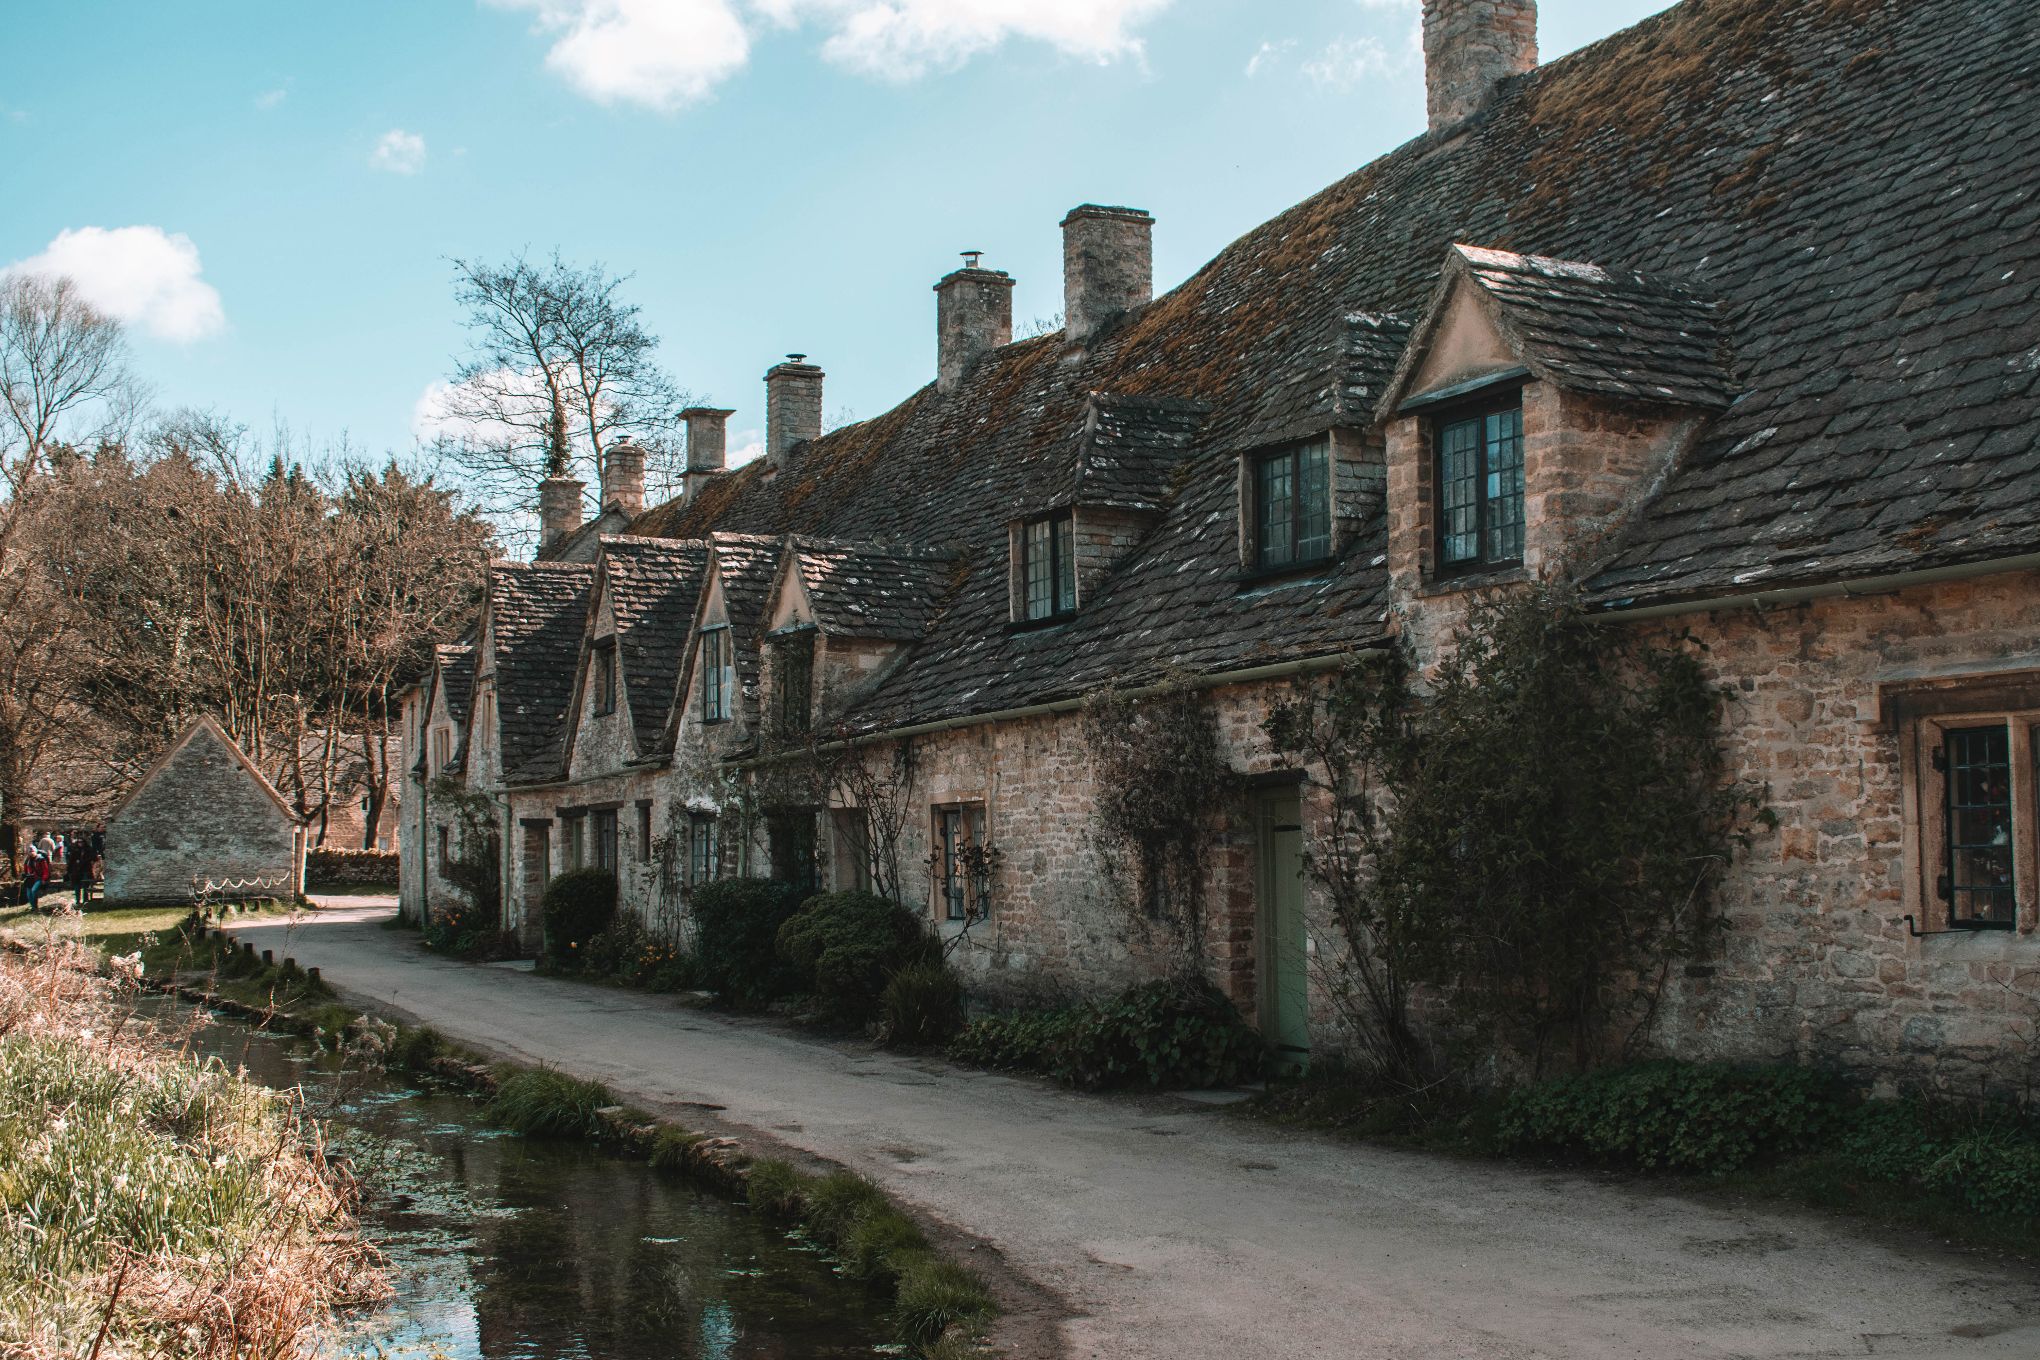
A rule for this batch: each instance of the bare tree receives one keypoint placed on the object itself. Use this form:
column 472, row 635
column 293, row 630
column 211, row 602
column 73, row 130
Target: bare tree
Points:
column 559, row 366
column 62, row 362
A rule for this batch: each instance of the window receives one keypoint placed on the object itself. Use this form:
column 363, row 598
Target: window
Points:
column 1973, row 828
column 793, row 680
column 850, row 836
column 1480, row 488
column 442, row 748
column 1048, row 567
column 959, row 838
column 1293, row 506
column 644, row 831
column 445, row 849
column 791, row 842
column 605, row 838
column 715, row 703
column 703, row 864
column 603, row 678
column 577, row 840
column 1978, row 872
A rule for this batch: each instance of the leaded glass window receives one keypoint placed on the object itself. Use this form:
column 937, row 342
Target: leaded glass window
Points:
column 715, row 703
column 1293, row 506
column 1979, row 882
column 1480, row 489
column 1048, row 566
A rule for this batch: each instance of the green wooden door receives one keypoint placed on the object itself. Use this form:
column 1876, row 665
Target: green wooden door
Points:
column 1284, row 952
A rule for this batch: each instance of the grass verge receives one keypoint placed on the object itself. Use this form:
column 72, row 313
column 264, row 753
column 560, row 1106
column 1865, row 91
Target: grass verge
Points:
column 150, row 1203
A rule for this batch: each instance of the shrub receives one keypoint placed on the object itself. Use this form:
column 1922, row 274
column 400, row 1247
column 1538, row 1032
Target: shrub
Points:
column 466, row 931
column 578, row 905
column 846, row 947
column 1157, row 1036
column 326, row 864
column 922, row 1005
column 736, row 932
column 1675, row 1116
column 547, row 1104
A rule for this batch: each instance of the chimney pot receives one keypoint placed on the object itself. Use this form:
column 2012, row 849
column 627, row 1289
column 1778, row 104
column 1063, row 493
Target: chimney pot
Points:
column 973, row 313
column 559, row 509
column 623, row 478
column 1108, row 266
column 1470, row 47
column 793, row 407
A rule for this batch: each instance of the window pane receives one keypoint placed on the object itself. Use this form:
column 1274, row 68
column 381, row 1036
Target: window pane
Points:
column 1035, row 566
column 712, row 690
column 1274, row 524
column 952, row 869
column 1979, row 792
column 1458, row 491
column 1504, row 488
column 1314, row 494
column 1066, row 564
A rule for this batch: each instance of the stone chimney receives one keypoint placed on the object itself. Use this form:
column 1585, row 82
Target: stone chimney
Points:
column 1108, row 266
column 1471, row 46
column 707, row 442
column 793, row 406
column 973, row 313
column 559, row 508
column 623, row 478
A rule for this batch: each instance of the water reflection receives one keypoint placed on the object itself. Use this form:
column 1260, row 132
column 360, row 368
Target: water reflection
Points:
column 508, row 1248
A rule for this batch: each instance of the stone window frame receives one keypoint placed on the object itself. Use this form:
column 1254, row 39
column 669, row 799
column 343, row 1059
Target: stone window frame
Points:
column 605, row 839
column 704, row 861
column 948, row 881
column 792, row 652
column 602, row 677
column 1921, row 714
column 712, row 657
column 644, row 830
column 1061, row 540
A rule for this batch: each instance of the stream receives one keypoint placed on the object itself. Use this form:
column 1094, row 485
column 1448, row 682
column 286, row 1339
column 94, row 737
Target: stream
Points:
column 502, row 1247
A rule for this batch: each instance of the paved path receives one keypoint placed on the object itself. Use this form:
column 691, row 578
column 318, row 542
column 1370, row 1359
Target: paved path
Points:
column 1170, row 1232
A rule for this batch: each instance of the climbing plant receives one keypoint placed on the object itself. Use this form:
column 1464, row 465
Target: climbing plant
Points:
column 474, row 864
column 1162, row 781
column 1536, row 834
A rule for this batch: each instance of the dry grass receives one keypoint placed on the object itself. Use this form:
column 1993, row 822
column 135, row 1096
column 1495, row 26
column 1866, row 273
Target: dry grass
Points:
column 151, row 1204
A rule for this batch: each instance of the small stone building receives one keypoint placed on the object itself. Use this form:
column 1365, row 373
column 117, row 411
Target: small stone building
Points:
column 203, row 813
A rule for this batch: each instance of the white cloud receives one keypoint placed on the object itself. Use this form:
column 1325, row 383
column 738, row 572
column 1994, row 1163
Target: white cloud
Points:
column 750, row 447
column 147, row 277
column 399, row 152
column 657, row 53
column 269, row 99
column 1266, row 56
column 1348, row 61
column 663, row 54
column 440, row 411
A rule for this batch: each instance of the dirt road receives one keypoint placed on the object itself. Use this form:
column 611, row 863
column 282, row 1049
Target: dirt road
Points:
column 1174, row 1232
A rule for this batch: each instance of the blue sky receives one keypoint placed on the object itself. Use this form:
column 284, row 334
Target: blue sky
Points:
column 270, row 192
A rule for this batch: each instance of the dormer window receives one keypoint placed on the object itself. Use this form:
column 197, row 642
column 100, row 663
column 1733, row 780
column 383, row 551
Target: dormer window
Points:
column 1293, row 506
column 715, row 695
column 1048, row 566
column 602, row 680
column 1480, row 486
column 793, row 681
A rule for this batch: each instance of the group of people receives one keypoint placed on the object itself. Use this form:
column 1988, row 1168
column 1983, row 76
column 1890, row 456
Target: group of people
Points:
column 72, row 860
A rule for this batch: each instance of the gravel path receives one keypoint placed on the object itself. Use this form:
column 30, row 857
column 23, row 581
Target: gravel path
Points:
column 1162, row 1230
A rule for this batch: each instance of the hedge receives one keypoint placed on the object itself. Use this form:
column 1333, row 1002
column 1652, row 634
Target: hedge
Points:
column 330, row 864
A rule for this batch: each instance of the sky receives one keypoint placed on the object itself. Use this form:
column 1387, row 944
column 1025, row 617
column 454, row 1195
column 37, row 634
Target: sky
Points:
column 270, row 194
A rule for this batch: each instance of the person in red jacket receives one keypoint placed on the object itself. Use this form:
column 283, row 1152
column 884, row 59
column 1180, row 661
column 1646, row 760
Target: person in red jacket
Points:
column 36, row 876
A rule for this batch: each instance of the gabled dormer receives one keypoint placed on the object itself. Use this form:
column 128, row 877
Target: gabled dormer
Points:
column 444, row 719
column 1538, row 403
column 715, row 695
column 1116, row 479
column 645, row 597
column 838, row 614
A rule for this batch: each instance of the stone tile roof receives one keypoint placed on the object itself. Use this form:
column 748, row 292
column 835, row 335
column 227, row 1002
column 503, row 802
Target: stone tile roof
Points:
column 537, row 614
column 456, row 662
column 1854, row 183
column 873, row 590
column 654, row 587
column 1128, row 448
column 746, row 564
column 1593, row 329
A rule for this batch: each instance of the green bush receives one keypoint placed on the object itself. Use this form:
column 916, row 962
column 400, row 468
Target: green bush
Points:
column 542, row 1103
column 578, row 906
column 1168, row 1035
column 736, row 934
column 922, row 1005
column 466, row 931
column 846, row 946
column 1674, row 1116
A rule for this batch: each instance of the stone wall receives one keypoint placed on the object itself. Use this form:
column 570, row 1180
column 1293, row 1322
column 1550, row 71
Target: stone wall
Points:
column 201, row 816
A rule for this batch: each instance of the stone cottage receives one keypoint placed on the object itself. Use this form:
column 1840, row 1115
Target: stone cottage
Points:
column 1733, row 318
column 203, row 813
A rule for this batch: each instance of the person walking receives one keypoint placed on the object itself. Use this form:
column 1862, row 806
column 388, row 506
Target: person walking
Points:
column 46, row 845
column 37, row 875
column 78, row 868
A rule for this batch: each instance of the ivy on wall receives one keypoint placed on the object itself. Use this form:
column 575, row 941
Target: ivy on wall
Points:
column 1536, row 833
